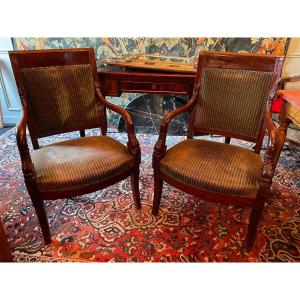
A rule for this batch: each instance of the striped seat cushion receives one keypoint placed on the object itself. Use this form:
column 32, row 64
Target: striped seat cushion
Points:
column 214, row 167
column 79, row 162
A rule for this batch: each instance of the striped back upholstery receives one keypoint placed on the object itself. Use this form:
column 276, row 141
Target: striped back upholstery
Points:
column 232, row 100
column 61, row 98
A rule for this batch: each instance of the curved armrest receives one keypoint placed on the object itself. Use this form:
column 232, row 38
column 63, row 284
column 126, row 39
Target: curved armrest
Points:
column 133, row 144
column 160, row 146
column 27, row 165
column 171, row 114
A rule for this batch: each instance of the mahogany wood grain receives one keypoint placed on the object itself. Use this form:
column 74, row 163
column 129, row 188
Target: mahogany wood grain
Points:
column 62, row 57
column 256, row 62
column 115, row 81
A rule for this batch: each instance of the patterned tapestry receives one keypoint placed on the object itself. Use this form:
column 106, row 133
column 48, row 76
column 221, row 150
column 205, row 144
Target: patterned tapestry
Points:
column 183, row 47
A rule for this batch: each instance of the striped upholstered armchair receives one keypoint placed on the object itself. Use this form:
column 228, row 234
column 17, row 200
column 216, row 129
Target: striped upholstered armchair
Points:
column 60, row 92
column 232, row 97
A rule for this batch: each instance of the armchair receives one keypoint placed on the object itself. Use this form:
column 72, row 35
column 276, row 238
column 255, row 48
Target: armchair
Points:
column 232, row 97
column 60, row 93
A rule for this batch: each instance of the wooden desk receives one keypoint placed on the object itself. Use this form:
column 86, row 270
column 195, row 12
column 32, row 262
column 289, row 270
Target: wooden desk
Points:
column 290, row 110
column 114, row 81
column 291, row 96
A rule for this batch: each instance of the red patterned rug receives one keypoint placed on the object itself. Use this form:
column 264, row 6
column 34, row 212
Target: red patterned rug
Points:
column 105, row 226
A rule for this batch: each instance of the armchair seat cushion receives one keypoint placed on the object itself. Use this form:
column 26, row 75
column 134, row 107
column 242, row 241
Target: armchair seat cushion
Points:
column 214, row 167
column 79, row 162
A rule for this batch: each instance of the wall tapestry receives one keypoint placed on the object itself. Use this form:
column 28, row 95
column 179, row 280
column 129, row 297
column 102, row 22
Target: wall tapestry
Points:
column 183, row 47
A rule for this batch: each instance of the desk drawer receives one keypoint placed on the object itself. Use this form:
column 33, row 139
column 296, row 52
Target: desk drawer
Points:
column 163, row 87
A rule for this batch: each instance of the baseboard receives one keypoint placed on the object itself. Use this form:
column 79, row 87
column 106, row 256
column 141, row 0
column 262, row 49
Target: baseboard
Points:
column 10, row 120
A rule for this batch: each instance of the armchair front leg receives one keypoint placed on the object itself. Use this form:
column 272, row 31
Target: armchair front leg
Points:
column 160, row 149
column 30, row 176
column 27, row 165
column 267, row 173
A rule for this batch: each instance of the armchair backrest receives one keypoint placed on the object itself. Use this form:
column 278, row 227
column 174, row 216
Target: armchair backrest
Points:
column 57, row 87
column 234, row 90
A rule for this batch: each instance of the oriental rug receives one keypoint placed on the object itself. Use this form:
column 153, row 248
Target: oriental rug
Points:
column 104, row 226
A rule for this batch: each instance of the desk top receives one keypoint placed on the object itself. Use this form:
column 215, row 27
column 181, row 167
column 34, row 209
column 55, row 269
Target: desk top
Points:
column 291, row 96
column 124, row 71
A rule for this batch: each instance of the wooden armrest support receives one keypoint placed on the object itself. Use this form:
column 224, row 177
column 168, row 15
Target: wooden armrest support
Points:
column 27, row 165
column 133, row 144
column 271, row 128
column 273, row 149
column 160, row 146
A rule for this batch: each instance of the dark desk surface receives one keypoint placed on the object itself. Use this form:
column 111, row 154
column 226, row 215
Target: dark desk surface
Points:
column 115, row 80
column 115, row 69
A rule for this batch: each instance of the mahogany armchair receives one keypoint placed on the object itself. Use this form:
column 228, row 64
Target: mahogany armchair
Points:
column 60, row 93
column 232, row 97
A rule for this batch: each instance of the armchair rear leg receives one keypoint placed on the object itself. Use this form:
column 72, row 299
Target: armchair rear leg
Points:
column 42, row 217
column 255, row 215
column 158, row 185
column 135, row 188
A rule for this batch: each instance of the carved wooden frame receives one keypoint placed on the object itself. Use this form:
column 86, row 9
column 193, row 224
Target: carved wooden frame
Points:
column 276, row 136
column 20, row 59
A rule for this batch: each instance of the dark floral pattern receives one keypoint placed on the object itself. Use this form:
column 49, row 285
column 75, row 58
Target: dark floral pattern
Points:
column 185, row 47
